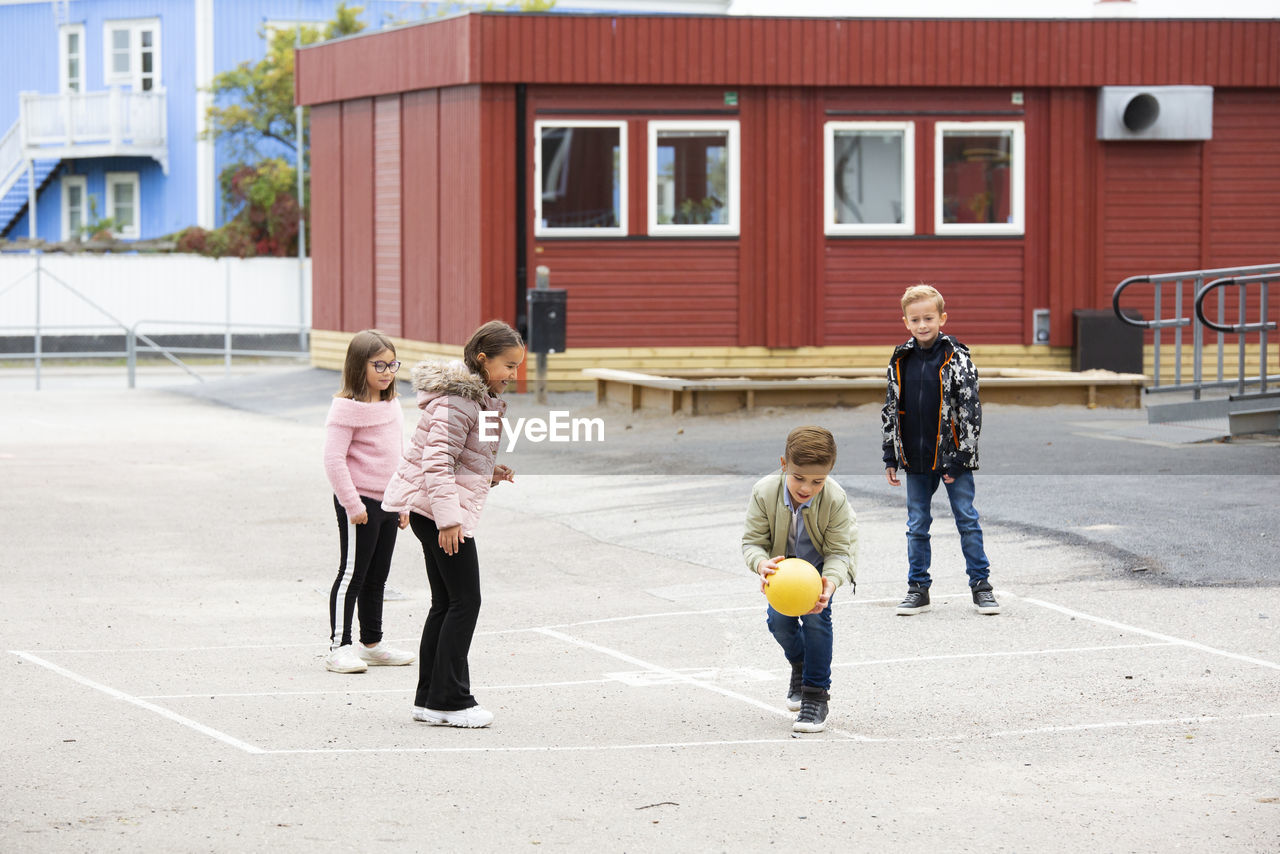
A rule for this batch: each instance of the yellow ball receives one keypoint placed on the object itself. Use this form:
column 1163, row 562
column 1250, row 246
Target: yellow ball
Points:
column 795, row 588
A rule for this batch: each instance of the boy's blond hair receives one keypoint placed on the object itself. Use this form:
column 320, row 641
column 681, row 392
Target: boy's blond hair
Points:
column 915, row 293
column 811, row 446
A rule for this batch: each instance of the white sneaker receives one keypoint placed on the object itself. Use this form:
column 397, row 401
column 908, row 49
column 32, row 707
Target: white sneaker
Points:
column 471, row 718
column 384, row 655
column 344, row 660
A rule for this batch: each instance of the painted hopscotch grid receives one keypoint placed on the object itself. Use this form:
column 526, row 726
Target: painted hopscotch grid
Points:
column 647, row 674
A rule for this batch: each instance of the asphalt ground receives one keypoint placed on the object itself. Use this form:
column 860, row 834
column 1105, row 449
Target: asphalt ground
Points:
column 170, row 551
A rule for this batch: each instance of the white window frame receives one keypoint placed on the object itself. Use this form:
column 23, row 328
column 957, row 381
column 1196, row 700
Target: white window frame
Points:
column 731, row 228
column 135, row 27
column 908, row 224
column 1017, row 180
column 64, row 56
column 539, row 229
column 113, row 179
column 69, row 181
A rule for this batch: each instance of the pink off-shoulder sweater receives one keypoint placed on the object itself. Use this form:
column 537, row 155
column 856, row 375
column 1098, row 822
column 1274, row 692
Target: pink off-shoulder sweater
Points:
column 362, row 449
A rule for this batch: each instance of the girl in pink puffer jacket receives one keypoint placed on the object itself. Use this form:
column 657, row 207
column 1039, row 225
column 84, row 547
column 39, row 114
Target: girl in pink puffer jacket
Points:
column 442, row 482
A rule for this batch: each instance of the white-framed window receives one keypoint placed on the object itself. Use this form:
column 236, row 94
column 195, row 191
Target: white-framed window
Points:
column 71, row 58
column 123, row 204
column 75, row 206
column 131, row 53
column 979, row 170
column 693, row 178
column 869, row 186
column 580, row 175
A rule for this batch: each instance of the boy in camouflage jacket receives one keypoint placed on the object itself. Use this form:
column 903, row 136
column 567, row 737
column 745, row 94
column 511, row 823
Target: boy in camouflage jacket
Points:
column 931, row 418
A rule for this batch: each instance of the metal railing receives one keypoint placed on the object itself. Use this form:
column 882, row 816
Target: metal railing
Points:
column 1199, row 281
column 1243, row 326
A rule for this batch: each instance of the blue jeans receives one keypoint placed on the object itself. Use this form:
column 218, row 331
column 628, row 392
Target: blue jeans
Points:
column 920, row 490
column 806, row 639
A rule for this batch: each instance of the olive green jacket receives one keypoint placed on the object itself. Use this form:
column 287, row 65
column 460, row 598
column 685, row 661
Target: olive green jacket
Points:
column 830, row 523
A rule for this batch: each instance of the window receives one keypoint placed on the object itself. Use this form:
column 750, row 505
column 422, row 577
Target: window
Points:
column 870, row 178
column 122, row 203
column 74, row 204
column 978, row 176
column 693, row 178
column 132, row 54
column 580, row 171
column 71, row 58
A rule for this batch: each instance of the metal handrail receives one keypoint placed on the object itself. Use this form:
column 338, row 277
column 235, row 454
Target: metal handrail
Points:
column 1262, row 327
column 1178, row 322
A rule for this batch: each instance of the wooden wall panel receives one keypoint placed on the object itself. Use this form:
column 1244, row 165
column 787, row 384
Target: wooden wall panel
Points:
column 647, row 293
column 1150, row 215
column 498, row 203
column 461, row 217
column 1244, row 179
column 981, row 281
column 387, row 216
column 325, row 236
column 357, row 214
column 669, row 50
column 421, row 211
column 1066, row 219
column 791, row 225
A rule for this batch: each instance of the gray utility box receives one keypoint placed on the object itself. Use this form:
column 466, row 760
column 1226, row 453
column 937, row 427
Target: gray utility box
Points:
column 1106, row 343
column 546, row 320
column 1155, row 112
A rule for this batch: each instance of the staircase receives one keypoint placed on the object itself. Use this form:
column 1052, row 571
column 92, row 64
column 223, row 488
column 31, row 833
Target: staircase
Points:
column 13, row 204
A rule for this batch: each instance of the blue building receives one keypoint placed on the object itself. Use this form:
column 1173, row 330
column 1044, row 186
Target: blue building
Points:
column 102, row 103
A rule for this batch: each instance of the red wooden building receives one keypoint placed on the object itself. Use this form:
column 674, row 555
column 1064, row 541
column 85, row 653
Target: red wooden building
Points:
column 760, row 190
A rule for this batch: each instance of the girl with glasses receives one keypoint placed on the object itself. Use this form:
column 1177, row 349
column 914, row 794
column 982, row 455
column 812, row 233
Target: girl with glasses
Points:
column 363, row 435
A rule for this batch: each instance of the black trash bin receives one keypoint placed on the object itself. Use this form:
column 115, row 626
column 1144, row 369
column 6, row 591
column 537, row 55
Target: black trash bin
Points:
column 546, row 319
column 1104, row 342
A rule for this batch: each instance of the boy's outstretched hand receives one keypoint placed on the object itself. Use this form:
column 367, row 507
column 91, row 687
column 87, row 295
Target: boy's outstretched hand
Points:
column 766, row 569
column 891, row 475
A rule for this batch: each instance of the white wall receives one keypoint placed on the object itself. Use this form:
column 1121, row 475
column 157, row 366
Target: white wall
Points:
column 133, row 288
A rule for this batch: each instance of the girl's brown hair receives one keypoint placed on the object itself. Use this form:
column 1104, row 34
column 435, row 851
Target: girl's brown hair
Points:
column 360, row 352
column 491, row 339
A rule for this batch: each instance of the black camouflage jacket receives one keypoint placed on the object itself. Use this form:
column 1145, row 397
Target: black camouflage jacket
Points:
column 959, row 410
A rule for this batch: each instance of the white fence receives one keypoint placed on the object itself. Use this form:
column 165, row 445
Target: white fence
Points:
column 175, row 307
column 83, row 294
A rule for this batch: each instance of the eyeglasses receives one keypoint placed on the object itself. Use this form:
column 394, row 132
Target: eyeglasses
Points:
column 382, row 367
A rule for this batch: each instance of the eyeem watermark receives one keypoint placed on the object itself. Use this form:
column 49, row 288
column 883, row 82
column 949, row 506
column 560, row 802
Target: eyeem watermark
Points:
column 558, row 428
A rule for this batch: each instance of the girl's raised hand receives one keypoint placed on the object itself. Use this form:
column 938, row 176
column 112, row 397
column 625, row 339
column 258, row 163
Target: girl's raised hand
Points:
column 450, row 538
column 501, row 473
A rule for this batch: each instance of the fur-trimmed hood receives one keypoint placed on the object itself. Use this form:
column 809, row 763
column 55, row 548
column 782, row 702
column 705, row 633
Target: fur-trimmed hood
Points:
column 433, row 379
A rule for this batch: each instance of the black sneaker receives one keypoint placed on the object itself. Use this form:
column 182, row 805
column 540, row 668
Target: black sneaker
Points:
column 796, row 687
column 984, row 600
column 813, row 710
column 915, row 602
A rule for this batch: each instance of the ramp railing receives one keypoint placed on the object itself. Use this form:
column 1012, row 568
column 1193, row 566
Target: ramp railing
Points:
column 1188, row 291
column 1243, row 326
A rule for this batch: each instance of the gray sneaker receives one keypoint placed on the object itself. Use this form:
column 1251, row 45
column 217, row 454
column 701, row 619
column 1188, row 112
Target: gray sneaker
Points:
column 796, row 688
column 813, row 711
column 984, row 600
column 915, row 602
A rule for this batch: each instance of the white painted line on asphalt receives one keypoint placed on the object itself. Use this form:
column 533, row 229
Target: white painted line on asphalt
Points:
column 923, row 658
column 1050, row 730
column 405, row 690
column 140, row 703
column 676, row 676
column 556, row 748
column 912, row 739
column 1157, row 635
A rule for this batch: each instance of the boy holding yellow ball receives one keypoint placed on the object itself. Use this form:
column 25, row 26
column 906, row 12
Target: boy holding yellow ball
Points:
column 801, row 512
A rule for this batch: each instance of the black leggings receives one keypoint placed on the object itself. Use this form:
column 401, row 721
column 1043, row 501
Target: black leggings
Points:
column 444, row 680
column 362, row 572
